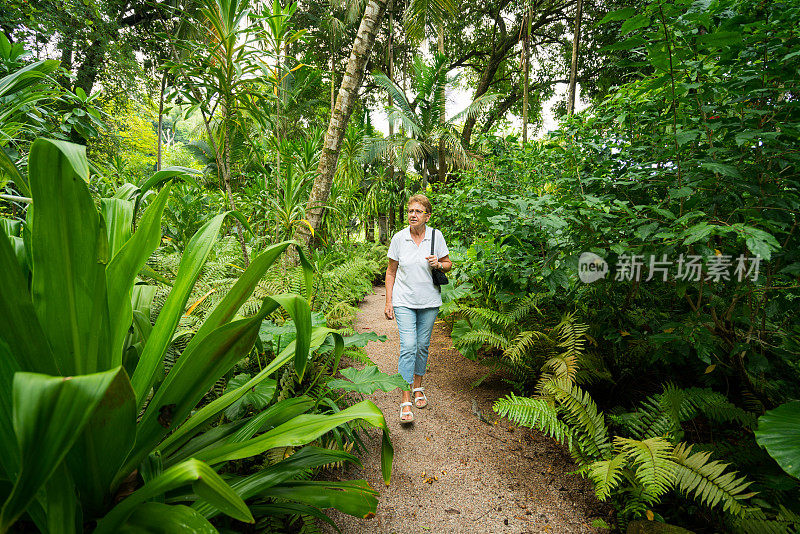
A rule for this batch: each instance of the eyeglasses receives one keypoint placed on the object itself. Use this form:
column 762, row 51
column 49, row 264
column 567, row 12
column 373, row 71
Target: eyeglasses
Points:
column 417, row 212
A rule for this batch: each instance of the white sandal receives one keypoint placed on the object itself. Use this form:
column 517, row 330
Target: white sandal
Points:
column 411, row 419
column 423, row 397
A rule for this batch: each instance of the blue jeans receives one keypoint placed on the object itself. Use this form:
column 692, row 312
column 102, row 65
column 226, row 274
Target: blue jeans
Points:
column 415, row 327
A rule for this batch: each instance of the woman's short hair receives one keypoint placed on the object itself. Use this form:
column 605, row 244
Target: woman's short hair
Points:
column 421, row 199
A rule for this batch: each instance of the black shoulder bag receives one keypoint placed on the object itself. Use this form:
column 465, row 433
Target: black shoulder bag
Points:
column 439, row 278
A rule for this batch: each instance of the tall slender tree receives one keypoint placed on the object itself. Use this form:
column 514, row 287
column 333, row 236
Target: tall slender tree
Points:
column 345, row 102
column 573, row 70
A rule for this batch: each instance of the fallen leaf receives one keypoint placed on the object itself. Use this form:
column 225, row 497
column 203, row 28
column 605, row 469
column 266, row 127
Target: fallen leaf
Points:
column 650, row 515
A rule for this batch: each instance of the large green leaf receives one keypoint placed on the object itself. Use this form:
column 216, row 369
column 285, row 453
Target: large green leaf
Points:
column 238, row 431
column 293, row 466
column 49, row 415
column 9, row 452
column 69, row 252
column 302, row 430
column 103, row 445
column 160, row 518
column 217, row 406
column 62, row 503
column 258, row 397
column 7, row 166
column 368, row 381
column 194, row 257
column 205, row 482
column 190, row 378
column 227, row 308
column 118, row 215
column 19, row 326
column 779, row 433
column 354, row 497
column 126, row 264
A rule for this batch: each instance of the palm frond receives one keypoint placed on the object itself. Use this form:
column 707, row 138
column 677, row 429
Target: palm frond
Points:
column 395, row 92
column 477, row 106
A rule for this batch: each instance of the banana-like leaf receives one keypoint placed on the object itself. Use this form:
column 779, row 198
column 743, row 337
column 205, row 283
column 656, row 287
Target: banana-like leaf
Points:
column 49, row 415
column 190, row 379
column 9, row 452
column 19, row 326
column 275, row 415
column 69, row 252
column 118, row 215
column 293, row 466
column 12, row 171
column 217, row 406
column 194, row 257
column 62, row 503
column 168, row 173
column 160, row 518
column 103, row 445
column 238, row 431
column 302, row 430
column 354, row 497
column 226, row 309
column 126, row 264
column 205, row 482
column 779, row 433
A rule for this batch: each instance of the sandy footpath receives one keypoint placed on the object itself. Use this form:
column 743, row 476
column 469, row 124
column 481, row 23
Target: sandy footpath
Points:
column 489, row 478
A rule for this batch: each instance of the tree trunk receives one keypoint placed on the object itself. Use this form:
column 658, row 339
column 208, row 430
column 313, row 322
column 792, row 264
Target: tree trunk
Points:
column 383, row 229
column 442, row 165
column 226, row 177
column 161, row 118
column 369, row 229
column 526, row 54
column 345, row 101
column 483, row 86
column 573, row 71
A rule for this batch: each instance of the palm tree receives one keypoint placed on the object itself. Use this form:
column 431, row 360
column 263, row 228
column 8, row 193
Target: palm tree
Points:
column 428, row 136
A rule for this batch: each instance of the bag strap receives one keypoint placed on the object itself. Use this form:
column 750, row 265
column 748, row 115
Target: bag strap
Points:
column 433, row 239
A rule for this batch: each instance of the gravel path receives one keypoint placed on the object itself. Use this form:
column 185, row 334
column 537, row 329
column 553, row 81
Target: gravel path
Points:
column 452, row 472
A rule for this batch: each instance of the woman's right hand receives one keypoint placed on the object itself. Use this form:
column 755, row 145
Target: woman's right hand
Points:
column 388, row 311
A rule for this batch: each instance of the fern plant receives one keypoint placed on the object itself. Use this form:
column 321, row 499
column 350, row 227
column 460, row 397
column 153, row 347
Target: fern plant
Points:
column 638, row 469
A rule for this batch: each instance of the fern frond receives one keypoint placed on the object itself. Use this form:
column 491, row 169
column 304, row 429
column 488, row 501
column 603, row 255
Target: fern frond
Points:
column 562, row 366
column 571, row 335
column 652, row 457
column 718, row 408
column 486, row 315
column 534, row 413
column 523, row 344
column 524, row 307
column 480, row 338
column 705, row 480
column 606, row 475
column 580, row 411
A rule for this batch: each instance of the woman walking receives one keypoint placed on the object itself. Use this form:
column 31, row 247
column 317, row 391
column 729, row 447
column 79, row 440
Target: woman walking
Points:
column 412, row 299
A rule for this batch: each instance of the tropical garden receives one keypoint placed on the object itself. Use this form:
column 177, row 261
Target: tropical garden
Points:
column 195, row 195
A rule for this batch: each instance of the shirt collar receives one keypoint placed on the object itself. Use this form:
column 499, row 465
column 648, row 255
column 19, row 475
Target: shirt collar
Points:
column 427, row 233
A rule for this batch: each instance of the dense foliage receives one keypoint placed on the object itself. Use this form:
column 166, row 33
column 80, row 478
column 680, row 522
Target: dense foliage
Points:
column 694, row 163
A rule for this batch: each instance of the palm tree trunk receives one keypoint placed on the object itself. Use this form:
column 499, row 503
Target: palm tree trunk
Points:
column 573, row 71
column 348, row 92
column 442, row 165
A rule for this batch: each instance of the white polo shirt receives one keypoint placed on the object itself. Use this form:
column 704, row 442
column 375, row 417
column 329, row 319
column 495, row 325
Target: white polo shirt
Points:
column 413, row 284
